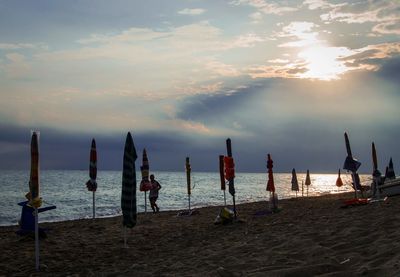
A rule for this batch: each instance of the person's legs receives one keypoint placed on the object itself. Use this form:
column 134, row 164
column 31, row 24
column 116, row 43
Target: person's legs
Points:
column 153, row 204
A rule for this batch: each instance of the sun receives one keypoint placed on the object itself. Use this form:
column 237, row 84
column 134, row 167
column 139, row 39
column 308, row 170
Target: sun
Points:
column 324, row 62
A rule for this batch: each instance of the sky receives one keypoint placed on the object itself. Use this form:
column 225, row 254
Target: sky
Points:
column 281, row 77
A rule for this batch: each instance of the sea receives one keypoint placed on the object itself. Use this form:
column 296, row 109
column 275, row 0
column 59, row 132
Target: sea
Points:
column 66, row 190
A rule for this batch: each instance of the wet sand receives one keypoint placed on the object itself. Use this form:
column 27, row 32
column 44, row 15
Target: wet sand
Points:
column 308, row 237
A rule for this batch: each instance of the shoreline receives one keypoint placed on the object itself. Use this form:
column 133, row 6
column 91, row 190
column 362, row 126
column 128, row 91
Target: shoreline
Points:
column 309, row 236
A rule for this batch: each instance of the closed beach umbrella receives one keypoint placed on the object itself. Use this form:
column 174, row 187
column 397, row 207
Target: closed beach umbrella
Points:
column 270, row 183
column 308, row 180
column 145, row 184
column 92, row 184
column 188, row 183
column 128, row 196
column 295, row 183
column 376, row 173
column 230, row 172
column 33, row 196
column 390, row 172
column 339, row 181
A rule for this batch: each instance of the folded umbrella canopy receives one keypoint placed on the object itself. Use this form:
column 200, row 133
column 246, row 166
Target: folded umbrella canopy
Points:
column 270, row 183
column 230, row 173
column 339, row 181
column 188, row 182
column 376, row 173
column 92, row 184
column 308, row 180
column 128, row 196
column 145, row 184
column 33, row 196
column 295, row 183
column 390, row 171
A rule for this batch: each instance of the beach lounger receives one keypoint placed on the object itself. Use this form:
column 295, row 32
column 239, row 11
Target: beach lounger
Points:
column 27, row 221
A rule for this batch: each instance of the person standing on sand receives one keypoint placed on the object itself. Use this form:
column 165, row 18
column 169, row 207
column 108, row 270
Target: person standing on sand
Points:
column 154, row 194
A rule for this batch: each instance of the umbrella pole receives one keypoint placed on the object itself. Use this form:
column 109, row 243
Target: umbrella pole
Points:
column 189, row 201
column 225, row 198
column 37, row 239
column 94, row 206
column 354, row 183
column 145, row 202
column 125, row 239
column 307, row 191
column 234, row 206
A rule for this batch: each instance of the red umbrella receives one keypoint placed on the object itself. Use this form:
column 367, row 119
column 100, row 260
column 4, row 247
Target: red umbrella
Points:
column 270, row 184
column 145, row 184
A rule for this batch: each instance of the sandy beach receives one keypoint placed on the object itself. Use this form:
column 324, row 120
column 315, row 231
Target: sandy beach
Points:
column 308, row 237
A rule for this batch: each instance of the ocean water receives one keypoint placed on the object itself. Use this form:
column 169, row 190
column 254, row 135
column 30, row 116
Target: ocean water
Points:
column 67, row 190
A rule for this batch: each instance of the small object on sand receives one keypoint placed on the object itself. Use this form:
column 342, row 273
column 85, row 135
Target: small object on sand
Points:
column 345, row 261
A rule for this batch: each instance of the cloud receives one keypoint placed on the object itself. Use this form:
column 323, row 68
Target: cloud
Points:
column 16, row 65
column 385, row 13
column 369, row 57
column 18, row 46
column 191, row 11
column 265, row 7
column 319, row 4
column 301, row 32
column 387, row 28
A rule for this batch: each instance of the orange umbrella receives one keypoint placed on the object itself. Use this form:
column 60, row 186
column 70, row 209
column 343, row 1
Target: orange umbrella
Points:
column 339, row 181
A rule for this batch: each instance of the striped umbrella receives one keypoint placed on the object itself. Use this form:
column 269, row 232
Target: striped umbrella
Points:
column 295, row 183
column 128, row 196
column 92, row 184
column 308, row 180
column 33, row 196
column 145, row 184
column 188, row 170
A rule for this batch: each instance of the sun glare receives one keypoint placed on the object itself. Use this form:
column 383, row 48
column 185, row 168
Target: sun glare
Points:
column 323, row 63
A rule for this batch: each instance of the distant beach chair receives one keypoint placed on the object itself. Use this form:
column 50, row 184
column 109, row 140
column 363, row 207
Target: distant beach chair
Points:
column 27, row 221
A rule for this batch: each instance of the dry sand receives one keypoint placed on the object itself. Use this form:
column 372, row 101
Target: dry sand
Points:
column 309, row 237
